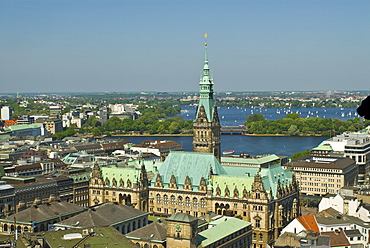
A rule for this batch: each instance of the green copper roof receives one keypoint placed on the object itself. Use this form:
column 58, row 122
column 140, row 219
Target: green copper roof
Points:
column 231, row 182
column 243, row 177
column 206, row 90
column 192, row 164
column 120, row 173
column 325, row 147
column 21, row 127
column 271, row 175
column 224, row 227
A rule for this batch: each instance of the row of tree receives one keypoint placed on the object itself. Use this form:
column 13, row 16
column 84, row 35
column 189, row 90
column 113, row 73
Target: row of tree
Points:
column 294, row 125
column 155, row 120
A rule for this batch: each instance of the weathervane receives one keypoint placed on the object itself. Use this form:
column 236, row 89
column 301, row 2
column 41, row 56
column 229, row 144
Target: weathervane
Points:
column 205, row 39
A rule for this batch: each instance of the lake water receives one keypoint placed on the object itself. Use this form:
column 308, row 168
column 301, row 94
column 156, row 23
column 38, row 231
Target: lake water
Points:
column 253, row 145
column 256, row 145
column 234, row 116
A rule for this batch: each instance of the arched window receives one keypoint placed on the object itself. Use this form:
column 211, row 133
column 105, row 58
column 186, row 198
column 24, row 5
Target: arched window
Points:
column 158, row 198
column 254, row 236
column 173, row 200
column 165, row 199
column 261, row 236
column 187, row 201
column 179, row 201
column 195, row 202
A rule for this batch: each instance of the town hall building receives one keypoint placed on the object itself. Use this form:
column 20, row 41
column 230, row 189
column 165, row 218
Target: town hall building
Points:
column 196, row 183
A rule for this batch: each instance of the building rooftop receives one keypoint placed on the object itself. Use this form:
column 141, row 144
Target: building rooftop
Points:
column 337, row 238
column 256, row 160
column 100, row 237
column 223, row 227
column 192, row 164
column 309, row 222
column 156, row 231
column 310, row 161
column 182, row 217
column 103, row 215
column 45, row 211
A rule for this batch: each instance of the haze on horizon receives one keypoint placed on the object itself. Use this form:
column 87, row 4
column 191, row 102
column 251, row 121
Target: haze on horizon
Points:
column 133, row 46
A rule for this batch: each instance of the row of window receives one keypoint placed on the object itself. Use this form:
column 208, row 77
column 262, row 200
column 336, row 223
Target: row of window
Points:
column 180, row 201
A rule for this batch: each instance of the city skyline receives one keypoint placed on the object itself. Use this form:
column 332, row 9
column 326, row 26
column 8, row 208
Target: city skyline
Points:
column 121, row 46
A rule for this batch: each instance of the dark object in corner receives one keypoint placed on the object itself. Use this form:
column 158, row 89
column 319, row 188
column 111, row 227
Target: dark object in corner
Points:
column 364, row 109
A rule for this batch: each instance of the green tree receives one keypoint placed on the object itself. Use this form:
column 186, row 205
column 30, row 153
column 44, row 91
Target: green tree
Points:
column 255, row 118
column 161, row 129
column 293, row 130
column 300, row 154
column 174, row 128
column 97, row 131
column 112, row 124
column 292, row 116
column 91, row 122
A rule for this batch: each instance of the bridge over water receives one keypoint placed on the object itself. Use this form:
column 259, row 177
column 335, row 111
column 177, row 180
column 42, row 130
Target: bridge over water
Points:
column 234, row 130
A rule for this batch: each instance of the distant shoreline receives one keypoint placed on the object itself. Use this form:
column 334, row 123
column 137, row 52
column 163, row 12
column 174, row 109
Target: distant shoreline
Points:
column 148, row 135
column 179, row 135
column 315, row 135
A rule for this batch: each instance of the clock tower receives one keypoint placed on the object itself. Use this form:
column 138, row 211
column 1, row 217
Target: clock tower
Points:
column 206, row 126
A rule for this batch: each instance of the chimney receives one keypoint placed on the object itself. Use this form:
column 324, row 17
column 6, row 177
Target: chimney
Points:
column 208, row 216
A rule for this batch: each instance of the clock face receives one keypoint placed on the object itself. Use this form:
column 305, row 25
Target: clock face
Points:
column 178, row 228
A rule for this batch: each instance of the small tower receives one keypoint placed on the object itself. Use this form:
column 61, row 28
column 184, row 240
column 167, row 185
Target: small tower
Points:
column 96, row 186
column 182, row 231
column 206, row 127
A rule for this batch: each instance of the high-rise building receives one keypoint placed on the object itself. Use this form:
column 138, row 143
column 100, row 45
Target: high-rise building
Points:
column 6, row 113
column 354, row 145
column 206, row 127
column 55, row 111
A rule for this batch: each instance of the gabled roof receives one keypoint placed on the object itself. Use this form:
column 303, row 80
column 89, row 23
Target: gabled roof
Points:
column 337, row 238
column 192, row 164
column 104, row 215
column 329, row 212
column 182, row 217
column 45, row 211
column 158, row 230
column 309, row 222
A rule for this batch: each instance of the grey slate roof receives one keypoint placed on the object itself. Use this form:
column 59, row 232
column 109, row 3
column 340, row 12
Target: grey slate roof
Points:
column 352, row 233
column 45, row 211
column 182, row 217
column 158, row 230
column 103, row 215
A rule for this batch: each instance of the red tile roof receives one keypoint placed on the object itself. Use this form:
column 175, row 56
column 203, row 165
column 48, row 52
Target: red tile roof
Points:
column 309, row 222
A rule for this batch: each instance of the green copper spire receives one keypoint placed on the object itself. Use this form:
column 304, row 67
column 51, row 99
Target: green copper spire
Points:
column 206, row 88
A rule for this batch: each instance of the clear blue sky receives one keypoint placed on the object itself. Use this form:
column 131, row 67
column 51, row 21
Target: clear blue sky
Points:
column 133, row 45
